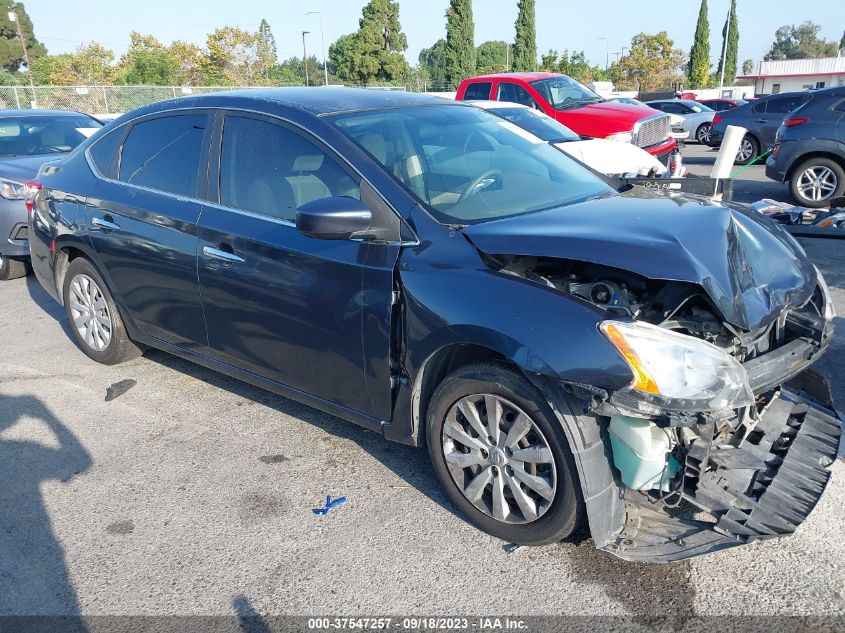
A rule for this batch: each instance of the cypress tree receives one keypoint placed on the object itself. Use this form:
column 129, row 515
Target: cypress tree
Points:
column 732, row 44
column 842, row 41
column 525, row 45
column 460, row 42
column 699, row 57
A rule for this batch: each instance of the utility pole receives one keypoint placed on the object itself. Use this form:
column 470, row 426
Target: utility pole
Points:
column 606, row 53
column 623, row 52
column 13, row 16
column 725, row 51
column 305, row 55
column 323, row 37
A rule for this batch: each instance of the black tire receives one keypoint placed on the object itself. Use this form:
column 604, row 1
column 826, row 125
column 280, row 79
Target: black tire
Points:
column 836, row 176
column 119, row 348
column 752, row 145
column 12, row 268
column 702, row 134
column 565, row 512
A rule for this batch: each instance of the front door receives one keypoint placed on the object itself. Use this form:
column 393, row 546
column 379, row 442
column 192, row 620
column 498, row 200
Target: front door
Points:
column 143, row 226
column 311, row 314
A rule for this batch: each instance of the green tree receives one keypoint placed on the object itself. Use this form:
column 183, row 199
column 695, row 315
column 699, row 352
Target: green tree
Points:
column 435, row 62
column 266, row 48
column 191, row 64
column 460, row 42
column 492, row 56
column 800, row 42
column 89, row 65
column 748, row 67
column 698, row 70
column 731, row 46
column 374, row 51
column 842, row 41
column 232, row 56
column 653, row 64
column 11, row 54
column 525, row 44
column 147, row 61
column 550, row 62
column 291, row 72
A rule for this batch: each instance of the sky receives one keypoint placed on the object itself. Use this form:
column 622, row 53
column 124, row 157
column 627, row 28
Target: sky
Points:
column 62, row 25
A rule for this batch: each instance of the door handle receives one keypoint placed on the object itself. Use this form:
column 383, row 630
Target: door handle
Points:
column 106, row 225
column 218, row 253
column 760, row 121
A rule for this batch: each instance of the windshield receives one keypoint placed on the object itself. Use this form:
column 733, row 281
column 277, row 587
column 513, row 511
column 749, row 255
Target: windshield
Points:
column 564, row 92
column 468, row 166
column 540, row 125
column 42, row 134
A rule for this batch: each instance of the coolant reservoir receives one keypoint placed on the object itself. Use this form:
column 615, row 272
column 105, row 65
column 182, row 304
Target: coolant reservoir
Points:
column 642, row 453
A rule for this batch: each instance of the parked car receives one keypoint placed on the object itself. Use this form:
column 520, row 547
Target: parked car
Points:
column 761, row 118
column 577, row 107
column 607, row 157
column 809, row 149
column 719, row 105
column 426, row 270
column 27, row 139
column 697, row 117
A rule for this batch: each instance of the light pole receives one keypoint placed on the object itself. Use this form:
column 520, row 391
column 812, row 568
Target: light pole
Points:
column 323, row 38
column 305, row 55
column 606, row 53
column 13, row 17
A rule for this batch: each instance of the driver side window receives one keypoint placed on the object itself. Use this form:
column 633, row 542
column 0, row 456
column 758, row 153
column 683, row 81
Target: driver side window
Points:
column 513, row 93
column 269, row 169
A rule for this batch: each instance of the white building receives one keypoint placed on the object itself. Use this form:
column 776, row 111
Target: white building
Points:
column 788, row 75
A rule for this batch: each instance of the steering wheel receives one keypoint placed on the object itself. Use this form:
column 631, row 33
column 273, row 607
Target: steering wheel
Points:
column 475, row 186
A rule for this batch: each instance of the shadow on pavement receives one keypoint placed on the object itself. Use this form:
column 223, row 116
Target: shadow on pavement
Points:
column 43, row 300
column 33, row 576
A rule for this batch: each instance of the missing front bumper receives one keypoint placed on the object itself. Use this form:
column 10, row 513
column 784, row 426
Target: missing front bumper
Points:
column 764, row 487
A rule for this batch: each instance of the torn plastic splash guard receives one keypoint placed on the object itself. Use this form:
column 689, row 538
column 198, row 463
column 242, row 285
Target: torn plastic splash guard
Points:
column 764, row 487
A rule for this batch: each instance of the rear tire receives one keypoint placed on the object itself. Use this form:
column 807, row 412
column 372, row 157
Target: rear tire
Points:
column 515, row 480
column 702, row 134
column 816, row 181
column 94, row 318
column 749, row 149
column 12, row 268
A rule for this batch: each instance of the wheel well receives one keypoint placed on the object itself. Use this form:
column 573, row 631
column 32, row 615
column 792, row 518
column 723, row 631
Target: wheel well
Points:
column 439, row 365
column 839, row 160
column 63, row 259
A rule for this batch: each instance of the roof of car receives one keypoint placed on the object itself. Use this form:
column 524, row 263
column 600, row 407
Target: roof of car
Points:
column 34, row 112
column 328, row 100
column 534, row 76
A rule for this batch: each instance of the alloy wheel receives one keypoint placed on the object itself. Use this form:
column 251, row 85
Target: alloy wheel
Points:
column 745, row 151
column 499, row 458
column 704, row 134
column 90, row 312
column 817, row 183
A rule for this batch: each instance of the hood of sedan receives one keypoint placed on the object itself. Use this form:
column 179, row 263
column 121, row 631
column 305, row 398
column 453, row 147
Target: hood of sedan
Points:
column 23, row 168
column 750, row 267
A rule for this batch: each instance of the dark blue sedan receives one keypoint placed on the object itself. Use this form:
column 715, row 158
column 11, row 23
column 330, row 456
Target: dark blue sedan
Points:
column 436, row 274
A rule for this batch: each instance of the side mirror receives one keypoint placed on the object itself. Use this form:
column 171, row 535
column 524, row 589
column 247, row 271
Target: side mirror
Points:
column 336, row 218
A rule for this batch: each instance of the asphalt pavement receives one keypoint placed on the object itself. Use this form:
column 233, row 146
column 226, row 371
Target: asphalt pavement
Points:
column 159, row 487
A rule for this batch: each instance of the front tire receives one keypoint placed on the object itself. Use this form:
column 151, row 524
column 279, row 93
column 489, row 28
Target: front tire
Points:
column 702, row 134
column 12, row 268
column 502, row 456
column 816, row 181
column 96, row 323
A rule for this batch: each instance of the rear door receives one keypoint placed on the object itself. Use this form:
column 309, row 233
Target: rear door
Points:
column 478, row 91
column 311, row 314
column 768, row 122
column 142, row 222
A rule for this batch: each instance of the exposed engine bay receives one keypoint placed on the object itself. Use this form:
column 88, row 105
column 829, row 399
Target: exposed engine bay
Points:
column 696, row 481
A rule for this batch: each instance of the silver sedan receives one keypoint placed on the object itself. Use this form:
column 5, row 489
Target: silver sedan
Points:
column 698, row 118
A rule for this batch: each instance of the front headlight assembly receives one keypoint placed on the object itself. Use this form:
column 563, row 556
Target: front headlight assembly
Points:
column 623, row 137
column 675, row 372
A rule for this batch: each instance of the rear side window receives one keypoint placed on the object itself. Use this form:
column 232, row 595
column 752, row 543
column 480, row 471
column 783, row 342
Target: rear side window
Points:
column 104, row 152
column 269, row 169
column 783, row 105
column 478, row 90
column 164, row 154
column 840, row 107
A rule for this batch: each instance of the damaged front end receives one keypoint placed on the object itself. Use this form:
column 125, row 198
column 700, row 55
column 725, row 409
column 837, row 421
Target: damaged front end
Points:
column 724, row 435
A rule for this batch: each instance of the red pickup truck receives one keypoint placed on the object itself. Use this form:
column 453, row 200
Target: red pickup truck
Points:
column 577, row 107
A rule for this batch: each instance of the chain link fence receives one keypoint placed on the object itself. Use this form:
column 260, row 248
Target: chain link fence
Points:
column 105, row 100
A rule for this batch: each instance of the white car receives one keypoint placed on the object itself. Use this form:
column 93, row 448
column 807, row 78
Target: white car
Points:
column 612, row 158
column 678, row 131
